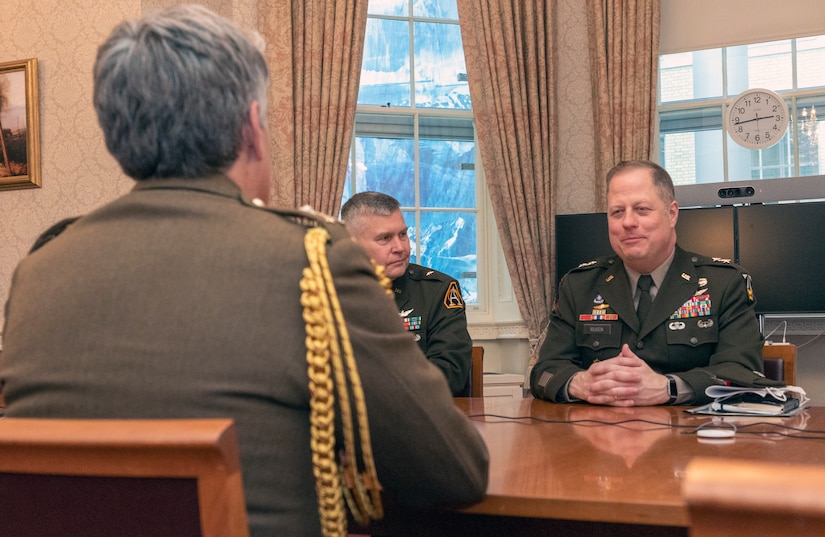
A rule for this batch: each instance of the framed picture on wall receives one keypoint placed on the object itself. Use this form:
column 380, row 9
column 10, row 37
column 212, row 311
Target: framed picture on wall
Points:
column 19, row 125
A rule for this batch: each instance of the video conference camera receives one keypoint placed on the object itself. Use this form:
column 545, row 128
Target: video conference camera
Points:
column 736, row 192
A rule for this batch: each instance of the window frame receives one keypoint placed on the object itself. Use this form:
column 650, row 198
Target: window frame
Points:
column 480, row 310
column 698, row 193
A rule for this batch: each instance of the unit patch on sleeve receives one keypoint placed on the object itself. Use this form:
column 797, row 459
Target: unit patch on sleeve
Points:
column 452, row 298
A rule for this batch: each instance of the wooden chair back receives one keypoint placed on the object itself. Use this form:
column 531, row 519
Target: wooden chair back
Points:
column 477, row 372
column 475, row 383
column 130, row 478
column 742, row 497
column 780, row 362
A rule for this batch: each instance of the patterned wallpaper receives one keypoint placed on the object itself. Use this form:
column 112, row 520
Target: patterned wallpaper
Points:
column 77, row 172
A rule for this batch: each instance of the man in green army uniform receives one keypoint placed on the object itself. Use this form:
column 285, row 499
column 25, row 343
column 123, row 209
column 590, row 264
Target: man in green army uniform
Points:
column 653, row 324
column 429, row 302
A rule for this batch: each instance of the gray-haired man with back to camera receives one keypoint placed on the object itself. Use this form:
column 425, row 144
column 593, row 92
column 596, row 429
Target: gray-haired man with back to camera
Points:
column 181, row 299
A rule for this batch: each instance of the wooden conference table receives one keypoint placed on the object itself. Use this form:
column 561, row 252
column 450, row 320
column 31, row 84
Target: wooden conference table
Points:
column 552, row 477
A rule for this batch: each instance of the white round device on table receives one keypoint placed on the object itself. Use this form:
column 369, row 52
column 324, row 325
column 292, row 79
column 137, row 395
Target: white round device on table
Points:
column 714, row 433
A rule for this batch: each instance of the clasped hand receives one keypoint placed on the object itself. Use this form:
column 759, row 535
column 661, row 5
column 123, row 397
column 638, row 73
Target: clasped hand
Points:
column 625, row 380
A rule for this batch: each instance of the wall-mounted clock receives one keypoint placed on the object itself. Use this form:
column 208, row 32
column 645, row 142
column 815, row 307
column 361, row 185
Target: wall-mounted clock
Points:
column 757, row 118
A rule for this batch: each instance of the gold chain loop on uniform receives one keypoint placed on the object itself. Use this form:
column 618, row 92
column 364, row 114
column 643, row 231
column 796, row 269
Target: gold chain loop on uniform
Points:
column 326, row 338
column 383, row 279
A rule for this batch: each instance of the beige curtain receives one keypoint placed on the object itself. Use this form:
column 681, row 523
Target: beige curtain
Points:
column 510, row 68
column 624, row 51
column 314, row 51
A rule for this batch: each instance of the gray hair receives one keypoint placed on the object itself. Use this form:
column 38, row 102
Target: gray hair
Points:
column 661, row 179
column 368, row 203
column 173, row 89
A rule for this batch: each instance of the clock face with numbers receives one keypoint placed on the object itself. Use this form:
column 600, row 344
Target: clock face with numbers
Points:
column 757, row 118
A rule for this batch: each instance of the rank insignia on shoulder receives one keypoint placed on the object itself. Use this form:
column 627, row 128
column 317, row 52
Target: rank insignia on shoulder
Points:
column 452, row 298
column 317, row 214
column 586, row 264
column 721, row 260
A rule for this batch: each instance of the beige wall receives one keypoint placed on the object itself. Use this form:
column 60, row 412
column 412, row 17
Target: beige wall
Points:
column 699, row 24
column 77, row 172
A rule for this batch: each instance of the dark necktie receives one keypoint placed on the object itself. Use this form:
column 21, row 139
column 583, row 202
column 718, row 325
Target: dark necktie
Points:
column 644, row 283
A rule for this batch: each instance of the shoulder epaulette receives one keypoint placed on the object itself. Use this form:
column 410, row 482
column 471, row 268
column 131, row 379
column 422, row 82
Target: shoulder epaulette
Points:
column 697, row 259
column 308, row 217
column 599, row 262
column 52, row 232
column 417, row 272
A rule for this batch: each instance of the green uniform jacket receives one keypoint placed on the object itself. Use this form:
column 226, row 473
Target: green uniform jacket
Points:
column 432, row 308
column 701, row 327
column 181, row 299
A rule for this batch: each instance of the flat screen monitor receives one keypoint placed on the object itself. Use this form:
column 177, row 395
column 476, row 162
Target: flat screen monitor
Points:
column 707, row 231
column 580, row 238
column 782, row 247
